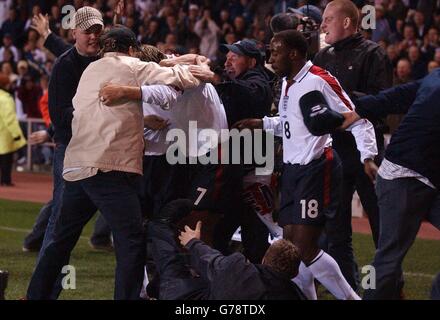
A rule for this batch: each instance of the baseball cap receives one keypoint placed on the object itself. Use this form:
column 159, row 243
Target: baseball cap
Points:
column 309, row 11
column 244, row 47
column 319, row 118
column 87, row 17
column 122, row 36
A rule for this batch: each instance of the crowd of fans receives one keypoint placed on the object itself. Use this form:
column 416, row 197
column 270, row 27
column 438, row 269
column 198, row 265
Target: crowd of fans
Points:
column 408, row 30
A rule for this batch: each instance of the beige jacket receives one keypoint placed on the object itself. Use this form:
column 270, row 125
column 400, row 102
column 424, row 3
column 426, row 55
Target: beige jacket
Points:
column 111, row 138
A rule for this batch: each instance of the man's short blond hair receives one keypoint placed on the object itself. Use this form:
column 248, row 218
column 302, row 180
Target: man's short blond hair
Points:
column 347, row 9
column 283, row 257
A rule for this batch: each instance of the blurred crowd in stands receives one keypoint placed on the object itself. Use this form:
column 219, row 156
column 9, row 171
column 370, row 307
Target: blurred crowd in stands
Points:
column 408, row 30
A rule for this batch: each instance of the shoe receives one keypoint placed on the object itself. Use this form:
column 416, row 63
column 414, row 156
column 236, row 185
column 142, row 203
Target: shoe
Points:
column 21, row 161
column 30, row 249
column 7, row 184
column 108, row 247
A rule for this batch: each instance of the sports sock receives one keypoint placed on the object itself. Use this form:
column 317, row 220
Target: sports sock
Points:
column 325, row 269
column 305, row 281
column 143, row 294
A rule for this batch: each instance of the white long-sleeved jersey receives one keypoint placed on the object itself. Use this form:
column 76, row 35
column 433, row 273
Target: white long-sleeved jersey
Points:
column 299, row 145
column 201, row 104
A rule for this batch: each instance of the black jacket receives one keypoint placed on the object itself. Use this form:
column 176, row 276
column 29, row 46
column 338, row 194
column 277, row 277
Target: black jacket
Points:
column 416, row 142
column 234, row 278
column 56, row 45
column 361, row 67
column 247, row 96
column 63, row 83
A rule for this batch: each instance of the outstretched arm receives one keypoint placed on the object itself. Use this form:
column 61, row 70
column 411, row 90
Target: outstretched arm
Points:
column 396, row 100
column 162, row 95
column 118, row 12
column 189, row 58
column 52, row 42
column 207, row 261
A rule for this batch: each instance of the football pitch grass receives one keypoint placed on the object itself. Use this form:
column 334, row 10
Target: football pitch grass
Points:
column 95, row 270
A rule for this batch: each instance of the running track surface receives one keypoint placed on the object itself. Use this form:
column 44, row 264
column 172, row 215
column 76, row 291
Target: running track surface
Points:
column 34, row 187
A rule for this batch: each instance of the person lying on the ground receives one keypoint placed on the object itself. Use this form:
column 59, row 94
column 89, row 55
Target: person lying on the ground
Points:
column 220, row 277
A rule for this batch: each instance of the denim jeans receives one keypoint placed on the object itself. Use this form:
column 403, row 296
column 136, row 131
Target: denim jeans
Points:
column 57, row 197
column 101, row 232
column 338, row 233
column 116, row 195
column 403, row 203
column 35, row 238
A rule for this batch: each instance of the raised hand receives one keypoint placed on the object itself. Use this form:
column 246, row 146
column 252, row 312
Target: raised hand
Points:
column 189, row 234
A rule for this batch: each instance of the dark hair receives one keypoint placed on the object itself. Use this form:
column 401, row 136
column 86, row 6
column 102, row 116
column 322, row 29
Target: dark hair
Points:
column 283, row 257
column 283, row 21
column 118, row 39
column 293, row 39
column 4, row 81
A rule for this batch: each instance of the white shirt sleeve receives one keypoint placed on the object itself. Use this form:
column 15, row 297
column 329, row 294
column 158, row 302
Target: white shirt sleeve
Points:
column 362, row 130
column 160, row 95
column 273, row 123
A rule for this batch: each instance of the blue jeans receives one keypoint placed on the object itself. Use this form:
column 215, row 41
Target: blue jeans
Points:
column 116, row 195
column 57, row 197
column 101, row 233
column 35, row 238
column 403, row 203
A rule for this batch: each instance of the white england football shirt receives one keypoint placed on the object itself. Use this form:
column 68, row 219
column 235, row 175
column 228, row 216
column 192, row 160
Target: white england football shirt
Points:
column 201, row 104
column 299, row 145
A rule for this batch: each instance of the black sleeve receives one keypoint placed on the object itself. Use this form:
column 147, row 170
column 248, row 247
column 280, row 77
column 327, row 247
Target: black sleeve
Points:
column 208, row 262
column 379, row 73
column 251, row 89
column 252, row 98
column 318, row 60
column 56, row 44
column 60, row 101
column 396, row 100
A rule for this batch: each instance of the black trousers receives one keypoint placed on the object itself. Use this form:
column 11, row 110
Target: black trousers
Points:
column 339, row 230
column 6, row 168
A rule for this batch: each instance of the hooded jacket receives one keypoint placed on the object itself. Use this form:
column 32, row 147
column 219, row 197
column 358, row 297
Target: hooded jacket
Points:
column 11, row 136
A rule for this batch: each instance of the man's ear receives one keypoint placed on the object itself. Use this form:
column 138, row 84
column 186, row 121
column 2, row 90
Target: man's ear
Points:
column 294, row 54
column 74, row 34
column 252, row 62
column 131, row 51
column 347, row 22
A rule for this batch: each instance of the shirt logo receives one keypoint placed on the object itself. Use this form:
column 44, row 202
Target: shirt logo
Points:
column 317, row 110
